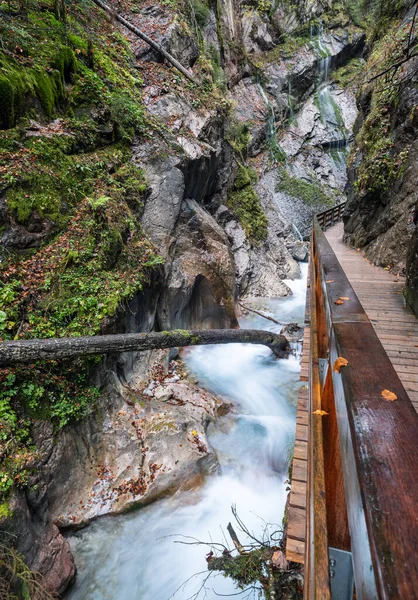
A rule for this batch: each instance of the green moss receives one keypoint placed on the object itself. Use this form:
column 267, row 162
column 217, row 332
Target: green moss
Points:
column 7, row 103
column 244, row 177
column 5, row 511
column 201, row 12
column 66, row 63
column 239, row 136
column 347, row 75
column 46, row 94
column 310, row 192
column 245, row 203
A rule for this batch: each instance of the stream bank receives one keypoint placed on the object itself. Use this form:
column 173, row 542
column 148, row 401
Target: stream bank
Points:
column 136, row 555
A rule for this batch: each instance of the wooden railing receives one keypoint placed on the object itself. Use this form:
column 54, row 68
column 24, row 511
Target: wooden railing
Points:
column 329, row 217
column 362, row 450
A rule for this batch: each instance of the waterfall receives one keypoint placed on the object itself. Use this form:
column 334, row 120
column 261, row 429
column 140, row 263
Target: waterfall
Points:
column 273, row 145
column 328, row 108
column 297, row 233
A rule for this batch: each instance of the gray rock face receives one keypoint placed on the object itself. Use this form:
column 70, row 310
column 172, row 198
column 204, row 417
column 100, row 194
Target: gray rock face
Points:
column 250, row 108
column 40, row 541
column 260, row 269
column 200, row 288
column 144, row 442
column 382, row 223
column 296, row 76
column 258, row 33
column 411, row 288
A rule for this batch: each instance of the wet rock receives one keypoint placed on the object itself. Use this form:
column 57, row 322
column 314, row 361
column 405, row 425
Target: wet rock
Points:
column 300, row 252
column 200, row 288
column 41, row 543
column 142, row 447
column 250, row 108
column 382, row 222
column 293, row 332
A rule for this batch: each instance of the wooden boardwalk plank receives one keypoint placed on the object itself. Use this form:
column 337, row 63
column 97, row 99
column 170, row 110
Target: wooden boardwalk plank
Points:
column 296, row 515
column 380, row 293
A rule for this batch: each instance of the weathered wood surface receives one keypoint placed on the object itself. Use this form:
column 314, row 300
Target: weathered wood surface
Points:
column 295, row 543
column 316, row 574
column 29, row 351
column 379, row 439
column 380, row 294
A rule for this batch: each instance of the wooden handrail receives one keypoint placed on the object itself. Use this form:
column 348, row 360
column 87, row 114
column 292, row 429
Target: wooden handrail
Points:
column 369, row 445
column 329, row 217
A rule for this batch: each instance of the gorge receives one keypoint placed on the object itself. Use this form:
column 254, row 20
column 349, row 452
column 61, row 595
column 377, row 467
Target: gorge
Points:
column 133, row 200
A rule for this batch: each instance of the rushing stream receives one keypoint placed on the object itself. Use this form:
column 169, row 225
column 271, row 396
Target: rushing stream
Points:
column 134, row 556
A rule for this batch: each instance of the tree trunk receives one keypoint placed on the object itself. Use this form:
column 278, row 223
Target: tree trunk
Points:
column 147, row 40
column 29, row 351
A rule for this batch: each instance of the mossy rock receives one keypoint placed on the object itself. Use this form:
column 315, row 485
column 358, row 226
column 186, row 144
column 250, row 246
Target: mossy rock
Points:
column 245, row 203
column 312, row 193
column 66, row 63
column 7, row 103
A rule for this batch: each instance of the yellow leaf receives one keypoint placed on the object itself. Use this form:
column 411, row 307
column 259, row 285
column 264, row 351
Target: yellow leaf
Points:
column 340, row 362
column 194, row 432
column 320, row 412
column 387, row 395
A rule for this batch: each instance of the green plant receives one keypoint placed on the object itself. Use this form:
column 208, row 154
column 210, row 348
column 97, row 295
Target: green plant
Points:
column 17, row 581
column 311, row 192
column 245, row 203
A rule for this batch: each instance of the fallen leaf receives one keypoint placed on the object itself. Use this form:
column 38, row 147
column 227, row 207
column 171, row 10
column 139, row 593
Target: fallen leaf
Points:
column 340, row 362
column 320, row 412
column 339, row 301
column 194, row 432
column 329, row 281
column 344, row 298
column 387, row 395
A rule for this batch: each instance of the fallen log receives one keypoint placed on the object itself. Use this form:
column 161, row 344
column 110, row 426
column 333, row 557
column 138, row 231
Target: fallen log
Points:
column 28, row 351
column 143, row 36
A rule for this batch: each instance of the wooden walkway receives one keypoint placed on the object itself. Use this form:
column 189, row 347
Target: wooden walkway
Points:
column 296, row 534
column 380, row 294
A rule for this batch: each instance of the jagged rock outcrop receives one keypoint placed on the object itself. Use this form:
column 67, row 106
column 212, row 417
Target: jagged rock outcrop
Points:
column 383, row 177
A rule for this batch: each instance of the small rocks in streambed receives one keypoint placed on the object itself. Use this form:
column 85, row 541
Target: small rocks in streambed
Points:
column 293, row 332
column 300, row 251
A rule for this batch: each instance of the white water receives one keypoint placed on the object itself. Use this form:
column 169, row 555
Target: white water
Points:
column 130, row 557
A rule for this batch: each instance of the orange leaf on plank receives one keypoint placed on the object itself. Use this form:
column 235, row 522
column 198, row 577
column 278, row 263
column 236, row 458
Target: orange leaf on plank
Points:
column 329, row 281
column 340, row 362
column 344, row 298
column 388, row 395
column 320, row 412
column 339, row 301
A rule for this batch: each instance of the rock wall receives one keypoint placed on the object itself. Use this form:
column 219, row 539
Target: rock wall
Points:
column 382, row 189
column 214, row 170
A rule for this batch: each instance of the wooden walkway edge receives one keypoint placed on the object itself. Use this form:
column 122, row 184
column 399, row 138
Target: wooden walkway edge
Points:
column 296, row 529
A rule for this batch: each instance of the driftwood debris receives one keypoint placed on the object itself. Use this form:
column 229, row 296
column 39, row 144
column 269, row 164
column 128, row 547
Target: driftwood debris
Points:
column 28, row 351
column 260, row 314
column 143, row 36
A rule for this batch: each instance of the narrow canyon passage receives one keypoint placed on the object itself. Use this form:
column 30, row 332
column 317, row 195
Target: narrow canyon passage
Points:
column 138, row 555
